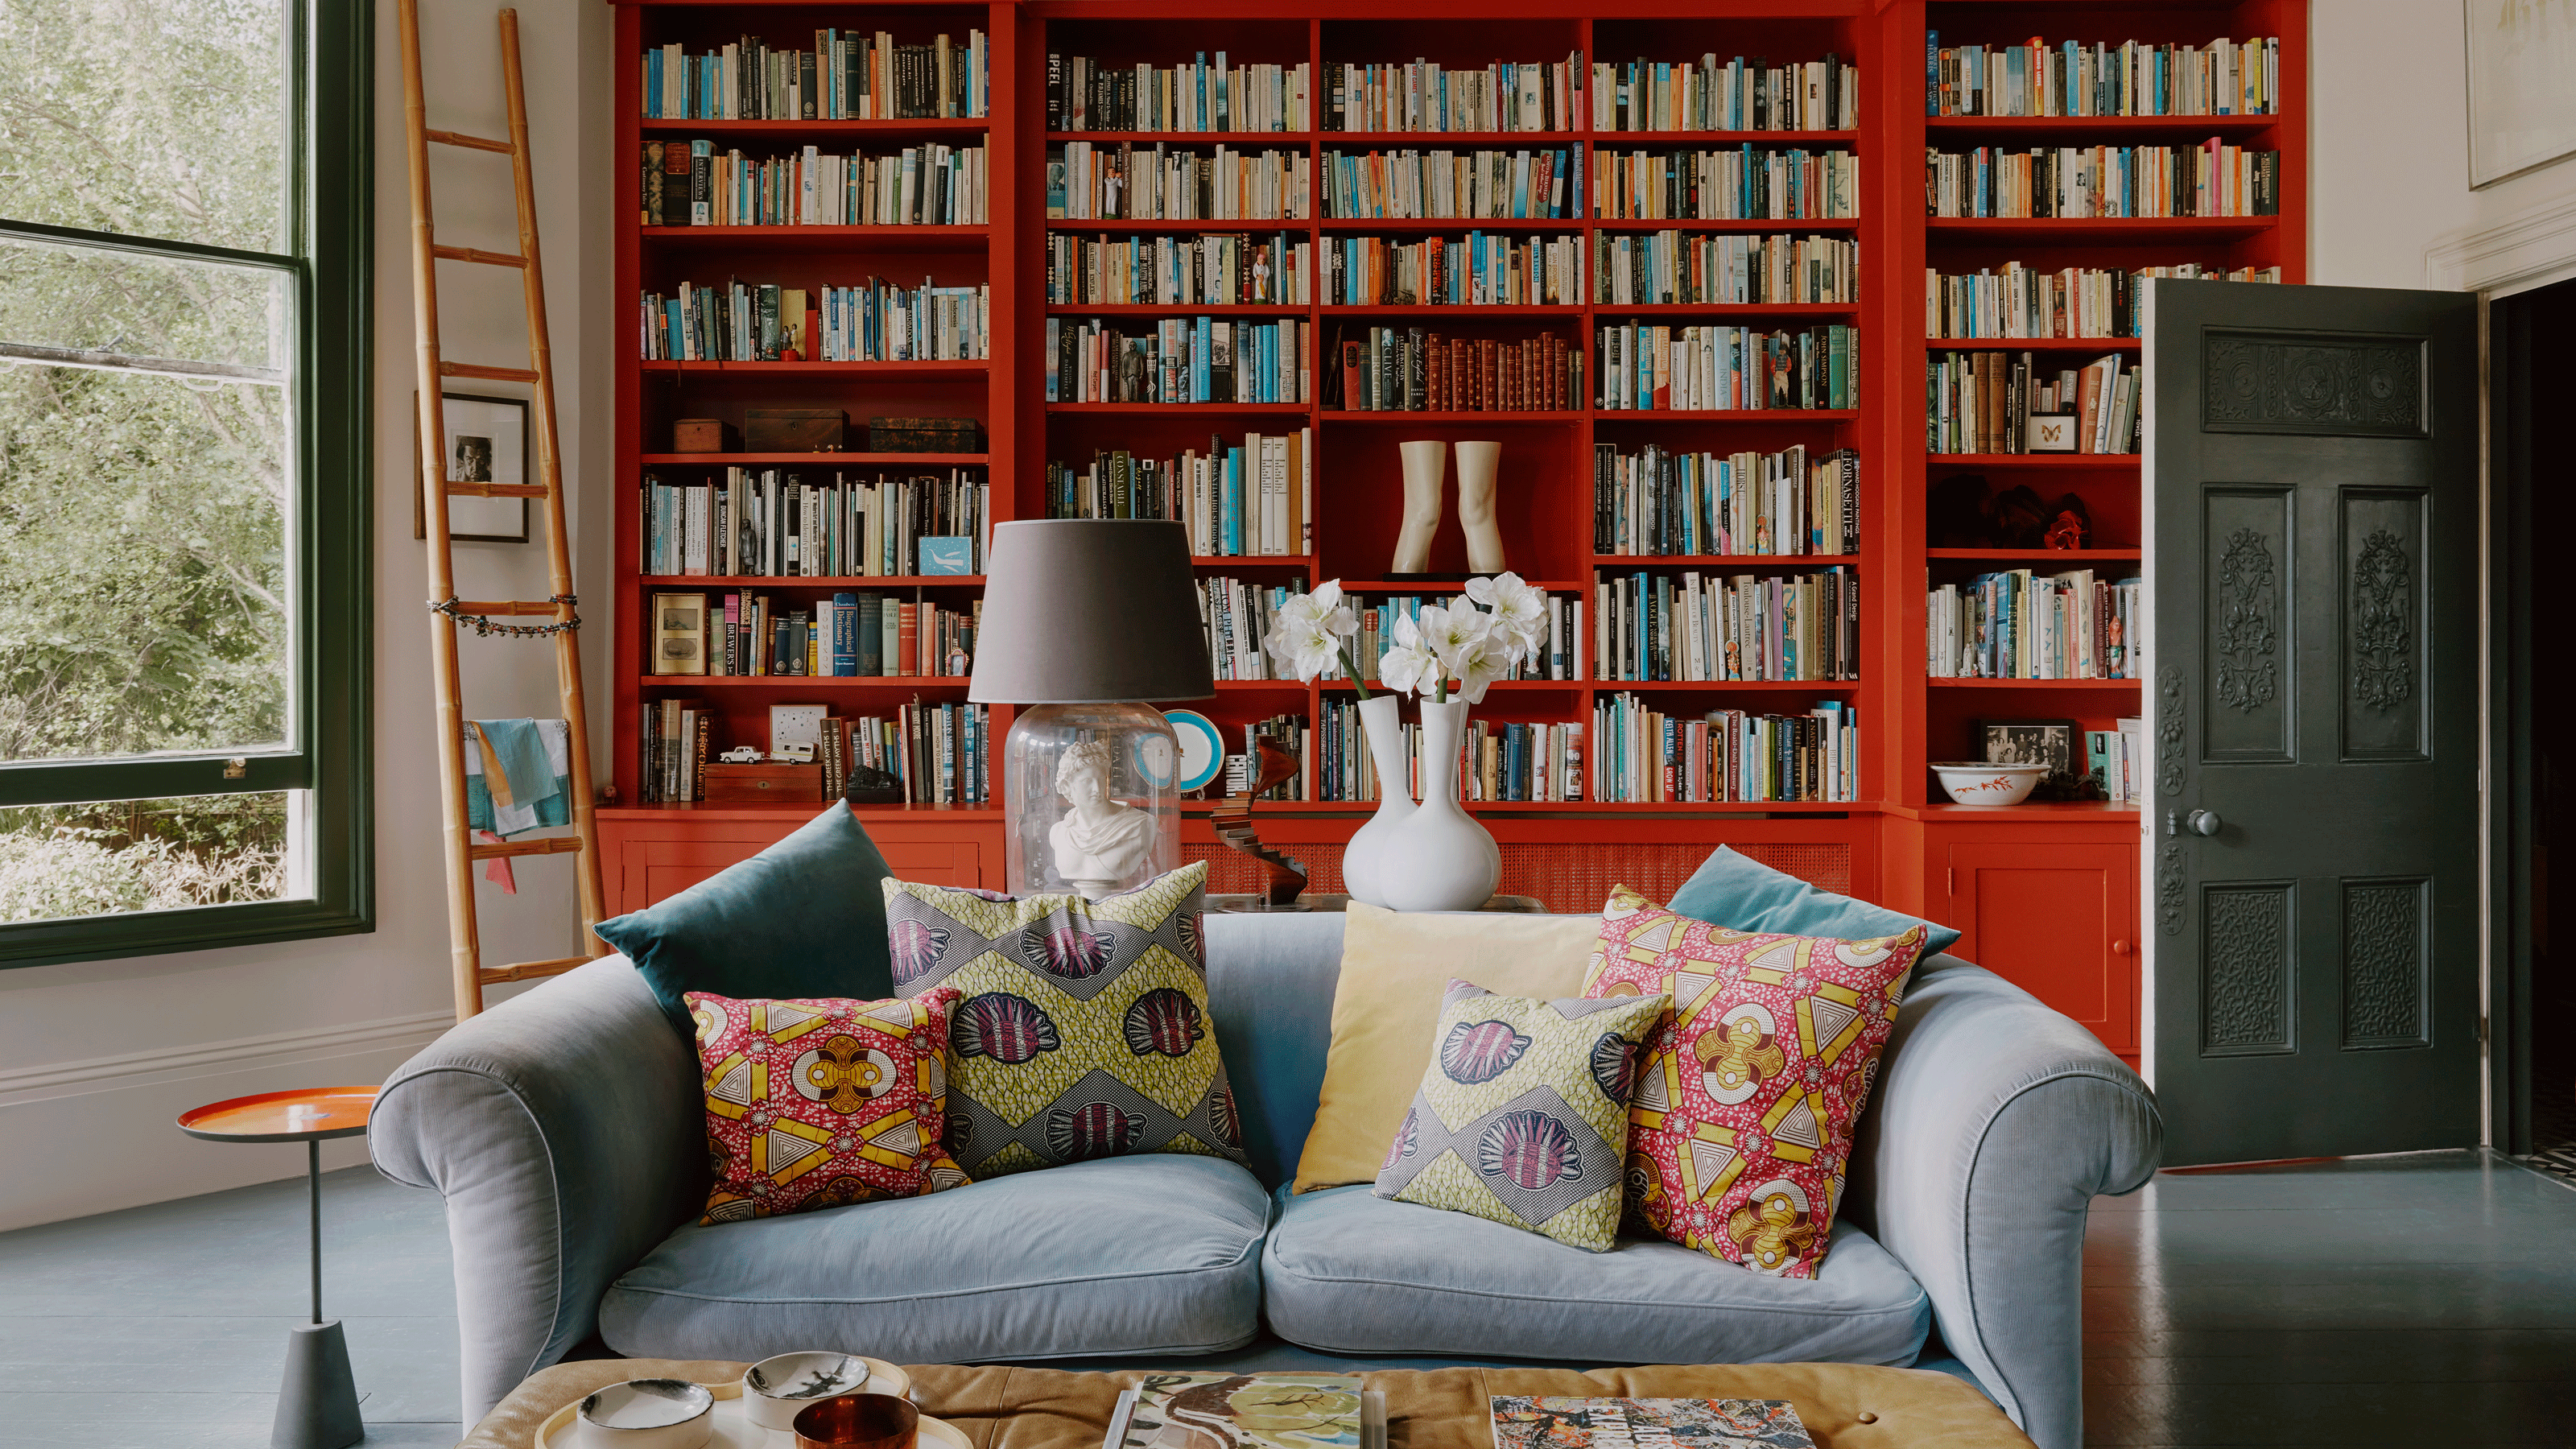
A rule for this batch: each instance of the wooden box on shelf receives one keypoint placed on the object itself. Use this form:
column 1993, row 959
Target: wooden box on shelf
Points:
column 795, row 430
column 752, row 784
column 700, row 435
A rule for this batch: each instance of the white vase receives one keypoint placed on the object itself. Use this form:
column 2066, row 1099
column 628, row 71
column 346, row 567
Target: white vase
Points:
column 1363, row 857
column 1439, row 858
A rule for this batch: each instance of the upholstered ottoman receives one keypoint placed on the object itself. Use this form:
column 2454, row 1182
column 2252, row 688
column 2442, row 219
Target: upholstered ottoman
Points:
column 1845, row 1406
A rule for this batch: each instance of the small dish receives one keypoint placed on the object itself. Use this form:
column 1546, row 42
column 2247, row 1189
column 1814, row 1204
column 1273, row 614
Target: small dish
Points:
column 1976, row 782
column 774, row 1389
column 648, row 1414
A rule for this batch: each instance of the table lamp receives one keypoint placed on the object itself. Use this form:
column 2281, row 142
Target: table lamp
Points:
column 1087, row 620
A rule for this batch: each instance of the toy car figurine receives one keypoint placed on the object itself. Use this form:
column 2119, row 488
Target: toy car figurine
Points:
column 741, row 755
column 794, row 752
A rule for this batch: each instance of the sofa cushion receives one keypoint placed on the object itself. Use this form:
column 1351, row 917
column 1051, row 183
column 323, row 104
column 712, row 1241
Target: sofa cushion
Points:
column 1350, row 1272
column 1742, row 894
column 1125, row 1256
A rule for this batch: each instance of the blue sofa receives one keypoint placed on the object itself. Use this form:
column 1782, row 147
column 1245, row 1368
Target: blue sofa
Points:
column 565, row 1129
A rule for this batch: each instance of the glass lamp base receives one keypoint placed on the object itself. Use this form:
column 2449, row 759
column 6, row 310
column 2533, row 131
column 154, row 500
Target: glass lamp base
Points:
column 1090, row 794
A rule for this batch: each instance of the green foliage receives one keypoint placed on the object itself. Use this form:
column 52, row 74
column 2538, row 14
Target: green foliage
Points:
column 149, row 855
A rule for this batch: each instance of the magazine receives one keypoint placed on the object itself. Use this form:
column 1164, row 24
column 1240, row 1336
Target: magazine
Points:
column 1553, row 1423
column 1248, row 1411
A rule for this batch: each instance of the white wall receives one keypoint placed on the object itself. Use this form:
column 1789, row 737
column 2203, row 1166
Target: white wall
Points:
column 2389, row 142
column 101, row 1056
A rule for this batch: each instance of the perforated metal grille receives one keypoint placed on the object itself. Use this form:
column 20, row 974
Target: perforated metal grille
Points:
column 1573, row 878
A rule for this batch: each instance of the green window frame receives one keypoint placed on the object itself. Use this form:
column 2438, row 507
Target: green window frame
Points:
column 331, row 201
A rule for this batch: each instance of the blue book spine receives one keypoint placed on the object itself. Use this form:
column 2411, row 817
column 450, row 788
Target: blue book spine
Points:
column 1931, row 72
column 845, row 634
column 1201, row 339
column 1230, row 500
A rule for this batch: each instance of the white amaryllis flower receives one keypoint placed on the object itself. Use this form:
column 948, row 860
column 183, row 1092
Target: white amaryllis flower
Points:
column 1518, row 611
column 1407, row 665
column 1306, row 634
column 1324, row 608
column 1464, row 642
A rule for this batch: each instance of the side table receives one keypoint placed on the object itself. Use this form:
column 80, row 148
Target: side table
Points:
column 317, row 1403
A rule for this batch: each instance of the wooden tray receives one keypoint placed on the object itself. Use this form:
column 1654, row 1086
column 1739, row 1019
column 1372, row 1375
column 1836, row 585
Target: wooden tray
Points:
column 734, row 1430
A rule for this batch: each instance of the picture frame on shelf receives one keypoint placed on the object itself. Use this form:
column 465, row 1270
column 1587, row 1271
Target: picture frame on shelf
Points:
column 2056, row 743
column 486, row 442
column 2050, row 433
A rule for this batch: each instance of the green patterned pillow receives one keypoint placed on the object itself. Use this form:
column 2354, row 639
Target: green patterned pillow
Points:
column 1523, row 1114
column 1084, row 1031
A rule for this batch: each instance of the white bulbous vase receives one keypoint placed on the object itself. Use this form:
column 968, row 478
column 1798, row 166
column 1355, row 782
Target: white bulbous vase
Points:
column 1363, row 857
column 1439, row 858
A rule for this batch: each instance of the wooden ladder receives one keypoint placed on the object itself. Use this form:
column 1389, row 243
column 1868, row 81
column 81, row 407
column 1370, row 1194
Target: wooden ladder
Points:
column 450, row 614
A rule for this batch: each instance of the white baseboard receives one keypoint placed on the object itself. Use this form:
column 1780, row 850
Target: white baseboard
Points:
column 134, row 1069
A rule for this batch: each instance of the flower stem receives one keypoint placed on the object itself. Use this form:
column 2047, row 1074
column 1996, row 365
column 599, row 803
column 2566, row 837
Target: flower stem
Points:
column 1351, row 667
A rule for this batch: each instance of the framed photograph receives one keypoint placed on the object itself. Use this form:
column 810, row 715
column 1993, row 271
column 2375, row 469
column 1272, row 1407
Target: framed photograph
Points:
column 2056, row 743
column 2050, row 433
column 2522, row 109
column 487, row 442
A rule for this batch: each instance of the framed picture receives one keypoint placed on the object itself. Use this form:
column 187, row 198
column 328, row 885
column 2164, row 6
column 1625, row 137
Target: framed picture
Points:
column 2522, row 110
column 487, row 442
column 2056, row 743
column 2050, row 433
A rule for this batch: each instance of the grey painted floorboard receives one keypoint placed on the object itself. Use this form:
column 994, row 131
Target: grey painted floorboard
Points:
column 2324, row 1303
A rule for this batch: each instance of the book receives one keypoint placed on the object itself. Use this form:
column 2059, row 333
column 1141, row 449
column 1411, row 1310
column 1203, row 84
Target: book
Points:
column 1605, row 1423
column 1244, row 1411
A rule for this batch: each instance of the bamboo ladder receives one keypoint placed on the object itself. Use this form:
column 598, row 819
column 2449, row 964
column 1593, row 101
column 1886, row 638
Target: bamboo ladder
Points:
column 450, row 614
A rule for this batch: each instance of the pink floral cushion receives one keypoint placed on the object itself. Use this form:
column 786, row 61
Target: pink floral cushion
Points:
column 822, row 1101
column 1741, row 1122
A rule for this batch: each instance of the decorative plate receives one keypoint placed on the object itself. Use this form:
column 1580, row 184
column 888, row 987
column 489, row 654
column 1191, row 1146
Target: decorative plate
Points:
column 1202, row 747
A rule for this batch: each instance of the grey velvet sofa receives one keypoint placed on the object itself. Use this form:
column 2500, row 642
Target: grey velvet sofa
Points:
column 565, row 1130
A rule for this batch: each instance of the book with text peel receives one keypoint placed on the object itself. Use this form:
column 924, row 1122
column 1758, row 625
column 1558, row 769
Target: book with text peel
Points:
column 1562, row 1423
column 1246, row 1411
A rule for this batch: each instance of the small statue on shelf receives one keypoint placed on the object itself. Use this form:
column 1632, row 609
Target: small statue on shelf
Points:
column 1100, row 842
column 1270, row 766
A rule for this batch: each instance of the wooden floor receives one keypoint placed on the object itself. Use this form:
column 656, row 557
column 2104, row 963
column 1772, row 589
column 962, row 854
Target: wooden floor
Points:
column 2426, row 1299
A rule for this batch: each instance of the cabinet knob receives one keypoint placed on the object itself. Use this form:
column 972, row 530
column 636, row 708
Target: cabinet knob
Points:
column 2120, row 948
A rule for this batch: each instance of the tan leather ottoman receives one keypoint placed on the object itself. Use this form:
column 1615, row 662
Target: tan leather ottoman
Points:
column 1845, row 1406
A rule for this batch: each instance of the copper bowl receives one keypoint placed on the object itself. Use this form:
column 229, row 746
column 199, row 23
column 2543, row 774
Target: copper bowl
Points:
column 857, row 1421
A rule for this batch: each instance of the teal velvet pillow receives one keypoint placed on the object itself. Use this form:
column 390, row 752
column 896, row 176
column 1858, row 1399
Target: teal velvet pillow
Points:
column 803, row 918
column 1743, row 894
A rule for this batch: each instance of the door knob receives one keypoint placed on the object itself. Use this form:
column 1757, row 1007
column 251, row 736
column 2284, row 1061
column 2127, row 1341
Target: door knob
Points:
column 2202, row 822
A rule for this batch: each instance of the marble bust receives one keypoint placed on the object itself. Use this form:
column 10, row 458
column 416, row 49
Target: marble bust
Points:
column 1100, row 842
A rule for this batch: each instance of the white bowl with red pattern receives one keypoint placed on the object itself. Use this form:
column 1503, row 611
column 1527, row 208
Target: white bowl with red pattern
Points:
column 1975, row 782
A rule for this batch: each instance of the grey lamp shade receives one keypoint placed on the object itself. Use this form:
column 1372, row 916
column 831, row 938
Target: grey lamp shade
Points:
column 1089, row 610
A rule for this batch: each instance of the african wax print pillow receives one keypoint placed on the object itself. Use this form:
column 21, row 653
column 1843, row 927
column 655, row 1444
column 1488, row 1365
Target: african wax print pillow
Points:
column 1083, row 1031
column 1522, row 1116
column 823, row 1101
column 1747, row 1101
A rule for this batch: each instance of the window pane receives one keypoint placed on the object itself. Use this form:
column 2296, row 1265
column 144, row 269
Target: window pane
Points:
column 158, row 118
column 147, row 310
column 116, row 857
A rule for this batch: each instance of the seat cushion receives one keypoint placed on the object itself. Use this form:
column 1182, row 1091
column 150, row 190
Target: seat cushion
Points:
column 1154, row 1254
column 1349, row 1272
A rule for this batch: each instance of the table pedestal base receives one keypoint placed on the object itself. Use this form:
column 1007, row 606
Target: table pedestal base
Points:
column 317, row 1404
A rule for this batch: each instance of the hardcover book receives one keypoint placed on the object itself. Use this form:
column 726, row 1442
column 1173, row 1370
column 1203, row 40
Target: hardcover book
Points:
column 1241, row 1411
column 1556, row 1423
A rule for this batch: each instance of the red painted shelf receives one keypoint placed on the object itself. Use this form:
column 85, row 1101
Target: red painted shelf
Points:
column 1737, row 415
column 826, row 238
column 2034, row 460
column 922, row 126
column 1233, row 140
column 1631, row 562
column 922, row 371
column 856, row 460
column 1183, row 410
column 1175, row 309
column 676, row 583
column 1781, row 686
column 1726, row 224
column 1726, row 309
column 2158, row 128
column 2034, row 344
column 1223, row 224
column 1460, row 310
column 1492, row 419
column 1451, row 223
column 2052, row 684
column 2035, row 555
column 2055, row 230
column 804, row 681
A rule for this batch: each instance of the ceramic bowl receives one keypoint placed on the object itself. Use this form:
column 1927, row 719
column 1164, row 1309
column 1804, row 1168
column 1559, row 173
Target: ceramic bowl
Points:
column 775, row 1388
column 1972, row 782
column 649, row 1414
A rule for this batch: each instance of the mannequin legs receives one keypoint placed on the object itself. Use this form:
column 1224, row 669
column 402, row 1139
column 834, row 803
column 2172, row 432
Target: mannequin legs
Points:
column 1425, row 463
column 1477, row 463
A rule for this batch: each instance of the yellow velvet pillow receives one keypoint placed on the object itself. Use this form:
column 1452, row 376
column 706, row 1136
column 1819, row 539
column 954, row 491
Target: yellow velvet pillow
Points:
column 1395, row 968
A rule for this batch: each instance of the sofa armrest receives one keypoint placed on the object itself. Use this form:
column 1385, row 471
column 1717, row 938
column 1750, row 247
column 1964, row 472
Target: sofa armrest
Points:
column 1997, row 1122
column 565, row 1127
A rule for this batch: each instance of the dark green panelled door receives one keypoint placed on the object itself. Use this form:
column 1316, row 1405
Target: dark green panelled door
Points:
column 2313, row 856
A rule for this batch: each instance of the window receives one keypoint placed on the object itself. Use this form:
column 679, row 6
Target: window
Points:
column 184, row 474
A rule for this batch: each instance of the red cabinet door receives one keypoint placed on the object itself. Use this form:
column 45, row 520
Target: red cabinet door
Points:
column 2058, row 920
column 652, row 861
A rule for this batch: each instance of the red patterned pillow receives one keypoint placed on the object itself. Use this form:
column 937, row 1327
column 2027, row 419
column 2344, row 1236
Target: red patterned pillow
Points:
column 1742, row 1118
column 817, row 1102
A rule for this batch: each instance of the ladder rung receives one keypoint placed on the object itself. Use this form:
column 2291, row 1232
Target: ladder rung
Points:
column 507, row 608
column 488, row 374
column 529, row 970
column 477, row 254
column 495, row 490
column 557, row 845
column 470, row 143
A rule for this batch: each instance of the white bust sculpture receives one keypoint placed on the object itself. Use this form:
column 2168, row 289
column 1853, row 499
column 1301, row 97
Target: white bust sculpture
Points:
column 1100, row 842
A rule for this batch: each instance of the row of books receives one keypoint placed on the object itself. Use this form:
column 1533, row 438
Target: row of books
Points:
column 762, row 523
column 1503, row 760
column 1651, row 367
column 2021, row 624
column 2210, row 179
column 1423, row 95
column 1087, row 94
column 1125, row 182
column 1235, row 616
column 2023, row 301
column 1664, row 267
column 1704, row 95
column 1659, row 502
column 1743, row 183
column 1558, row 657
column 690, row 183
column 847, row 76
column 2223, row 78
column 1642, row 755
column 848, row 636
column 1480, row 269
column 1211, row 269
column 1694, row 628
column 1468, row 185
column 922, row 754
column 2118, row 760
column 1414, row 369
column 1179, row 360
column 1982, row 402
column 873, row 322
column 1248, row 499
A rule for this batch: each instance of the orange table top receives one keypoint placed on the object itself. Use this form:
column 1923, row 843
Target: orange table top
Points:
column 306, row 1114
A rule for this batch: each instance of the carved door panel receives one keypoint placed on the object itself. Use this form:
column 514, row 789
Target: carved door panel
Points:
column 2313, row 461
